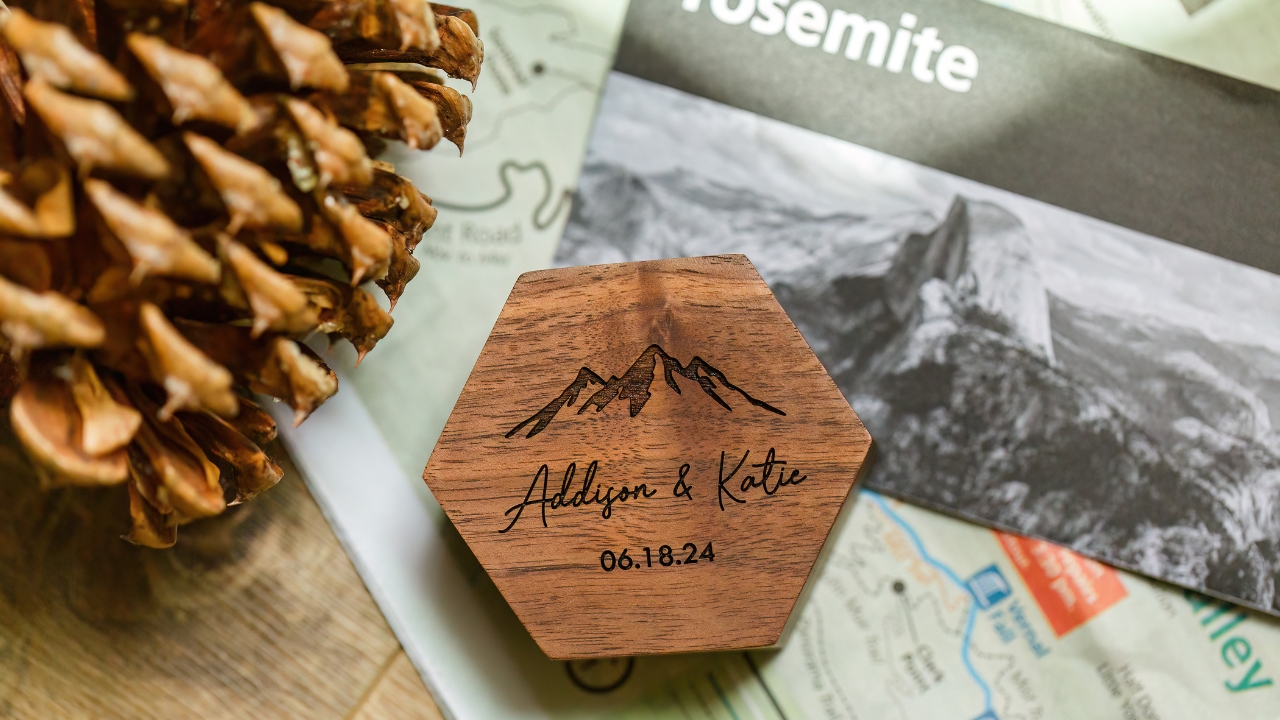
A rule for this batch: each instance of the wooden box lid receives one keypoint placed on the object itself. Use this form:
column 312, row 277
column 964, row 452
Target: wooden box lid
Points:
column 648, row 458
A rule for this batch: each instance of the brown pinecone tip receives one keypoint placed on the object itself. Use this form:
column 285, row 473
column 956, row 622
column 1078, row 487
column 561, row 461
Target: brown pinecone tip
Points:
column 181, row 208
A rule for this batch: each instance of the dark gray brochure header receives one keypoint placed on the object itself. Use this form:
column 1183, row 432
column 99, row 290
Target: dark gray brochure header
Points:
column 1021, row 104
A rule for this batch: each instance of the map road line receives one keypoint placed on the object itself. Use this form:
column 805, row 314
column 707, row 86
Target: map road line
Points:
column 973, row 606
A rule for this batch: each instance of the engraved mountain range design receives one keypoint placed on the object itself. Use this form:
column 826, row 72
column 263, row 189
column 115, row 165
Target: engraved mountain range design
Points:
column 634, row 387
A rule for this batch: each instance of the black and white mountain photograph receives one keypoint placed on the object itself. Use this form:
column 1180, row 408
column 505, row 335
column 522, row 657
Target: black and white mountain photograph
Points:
column 1019, row 365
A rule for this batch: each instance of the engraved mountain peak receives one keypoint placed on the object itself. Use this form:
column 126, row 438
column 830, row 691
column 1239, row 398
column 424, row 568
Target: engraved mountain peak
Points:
column 634, row 386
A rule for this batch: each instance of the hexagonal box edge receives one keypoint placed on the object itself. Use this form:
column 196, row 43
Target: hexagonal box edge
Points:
column 668, row 409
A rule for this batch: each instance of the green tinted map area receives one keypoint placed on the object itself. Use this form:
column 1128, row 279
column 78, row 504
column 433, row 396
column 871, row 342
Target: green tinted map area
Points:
column 503, row 204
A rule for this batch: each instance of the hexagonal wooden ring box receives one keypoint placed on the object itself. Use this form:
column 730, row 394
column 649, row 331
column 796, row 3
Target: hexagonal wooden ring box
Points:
column 648, row 458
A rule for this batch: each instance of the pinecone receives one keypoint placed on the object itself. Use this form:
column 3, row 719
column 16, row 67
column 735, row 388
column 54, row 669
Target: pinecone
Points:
column 186, row 194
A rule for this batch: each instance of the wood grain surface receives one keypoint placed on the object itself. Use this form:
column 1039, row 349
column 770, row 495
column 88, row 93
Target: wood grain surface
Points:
column 257, row 613
column 398, row 695
column 668, row 405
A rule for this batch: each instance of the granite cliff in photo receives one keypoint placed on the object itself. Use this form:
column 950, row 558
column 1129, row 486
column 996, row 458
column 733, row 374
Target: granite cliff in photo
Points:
column 1139, row 436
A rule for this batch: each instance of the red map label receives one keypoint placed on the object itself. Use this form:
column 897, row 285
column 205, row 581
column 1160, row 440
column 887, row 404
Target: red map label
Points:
column 1069, row 589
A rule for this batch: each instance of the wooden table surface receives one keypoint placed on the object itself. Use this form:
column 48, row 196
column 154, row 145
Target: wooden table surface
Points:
column 256, row 613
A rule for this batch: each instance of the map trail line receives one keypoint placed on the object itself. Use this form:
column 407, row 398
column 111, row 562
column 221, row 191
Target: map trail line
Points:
column 720, row 694
column 950, row 575
column 755, row 670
